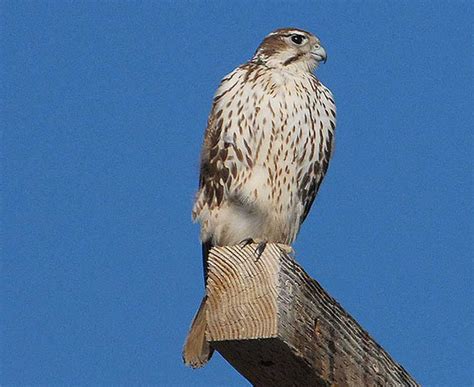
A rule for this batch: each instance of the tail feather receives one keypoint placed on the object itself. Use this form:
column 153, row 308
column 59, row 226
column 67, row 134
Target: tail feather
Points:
column 197, row 351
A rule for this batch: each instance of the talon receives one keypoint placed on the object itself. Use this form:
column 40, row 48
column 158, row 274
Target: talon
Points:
column 260, row 249
column 246, row 242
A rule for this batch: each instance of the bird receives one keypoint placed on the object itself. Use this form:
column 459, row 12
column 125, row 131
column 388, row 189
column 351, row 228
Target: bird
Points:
column 266, row 150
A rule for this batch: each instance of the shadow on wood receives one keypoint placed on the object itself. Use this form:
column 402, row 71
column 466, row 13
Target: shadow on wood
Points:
column 277, row 326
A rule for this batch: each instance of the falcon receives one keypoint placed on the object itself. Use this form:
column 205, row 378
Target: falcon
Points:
column 266, row 150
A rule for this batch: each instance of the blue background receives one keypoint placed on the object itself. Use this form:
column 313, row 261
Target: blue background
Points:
column 103, row 109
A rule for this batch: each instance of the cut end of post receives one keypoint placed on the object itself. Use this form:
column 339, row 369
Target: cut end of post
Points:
column 241, row 292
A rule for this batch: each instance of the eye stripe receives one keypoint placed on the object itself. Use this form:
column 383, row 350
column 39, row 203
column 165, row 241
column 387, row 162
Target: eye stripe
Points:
column 288, row 35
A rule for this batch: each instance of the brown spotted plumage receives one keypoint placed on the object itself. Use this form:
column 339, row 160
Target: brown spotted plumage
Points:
column 266, row 150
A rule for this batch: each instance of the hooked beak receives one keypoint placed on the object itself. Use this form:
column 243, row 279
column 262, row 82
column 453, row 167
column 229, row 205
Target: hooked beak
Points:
column 319, row 53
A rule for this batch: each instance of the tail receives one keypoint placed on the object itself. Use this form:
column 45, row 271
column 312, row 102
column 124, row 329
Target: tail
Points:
column 197, row 351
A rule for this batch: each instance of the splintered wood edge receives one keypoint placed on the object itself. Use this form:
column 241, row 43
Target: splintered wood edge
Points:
column 275, row 324
column 315, row 326
column 242, row 293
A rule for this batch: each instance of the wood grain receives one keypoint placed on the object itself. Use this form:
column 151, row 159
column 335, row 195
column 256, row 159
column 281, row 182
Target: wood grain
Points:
column 277, row 326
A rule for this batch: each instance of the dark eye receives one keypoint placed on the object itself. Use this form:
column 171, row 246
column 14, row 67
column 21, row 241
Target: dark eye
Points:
column 297, row 39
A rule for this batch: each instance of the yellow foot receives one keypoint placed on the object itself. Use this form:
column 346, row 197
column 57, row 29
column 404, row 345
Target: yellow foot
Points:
column 286, row 249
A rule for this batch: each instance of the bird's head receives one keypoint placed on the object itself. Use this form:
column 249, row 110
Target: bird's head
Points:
column 291, row 48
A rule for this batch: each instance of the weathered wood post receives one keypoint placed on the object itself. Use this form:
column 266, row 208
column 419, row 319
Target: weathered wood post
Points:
column 277, row 326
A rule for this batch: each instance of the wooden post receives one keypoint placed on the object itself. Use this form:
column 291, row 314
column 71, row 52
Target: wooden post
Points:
column 277, row 326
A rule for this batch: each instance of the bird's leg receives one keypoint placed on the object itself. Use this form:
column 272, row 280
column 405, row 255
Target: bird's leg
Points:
column 261, row 245
column 246, row 242
column 260, row 249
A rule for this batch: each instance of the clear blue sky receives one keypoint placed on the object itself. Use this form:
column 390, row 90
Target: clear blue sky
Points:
column 103, row 110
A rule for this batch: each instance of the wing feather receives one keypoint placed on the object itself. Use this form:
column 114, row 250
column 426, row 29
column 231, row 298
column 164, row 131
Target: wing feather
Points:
column 312, row 178
column 222, row 162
